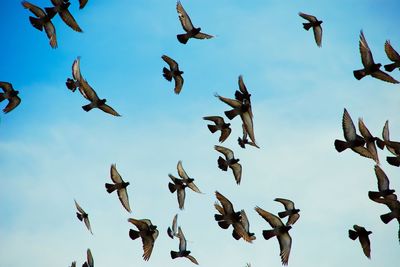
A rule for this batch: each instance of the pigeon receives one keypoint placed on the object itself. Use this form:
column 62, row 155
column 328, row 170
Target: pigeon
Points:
column 230, row 162
column 244, row 221
column 220, row 125
column 61, row 7
column 182, row 249
column 89, row 262
column 179, row 186
column 393, row 56
column 82, row 3
column 120, row 186
column 191, row 31
column 41, row 21
column 370, row 67
column 73, row 83
column 315, row 24
column 290, row 211
column 242, row 94
column 173, row 73
column 186, row 179
column 148, row 232
column 362, row 235
column 279, row 230
column 11, row 95
column 369, row 140
column 244, row 140
column 83, row 216
column 383, row 184
column 392, row 146
column 173, row 231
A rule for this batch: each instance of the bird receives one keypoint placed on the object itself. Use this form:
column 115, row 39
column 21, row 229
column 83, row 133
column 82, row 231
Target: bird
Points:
column 186, row 179
column 41, row 21
column 11, row 95
column 147, row 232
column 315, row 24
column 173, row 73
column 363, row 237
column 89, row 261
column 173, row 231
column 61, row 7
column 230, row 162
column 393, row 56
column 242, row 94
column 370, row 67
column 89, row 93
column 220, row 125
column 73, row 83
column 290, row 211
column 82, row 3
column 279, row 230
column 369, row 140
column 243, row 141
column 179, row 186
column 120, row 186
column 383, row 184
column 392, row 146
column 83, row 216
column 191, row 31
column 182, row 249
column 237, row 229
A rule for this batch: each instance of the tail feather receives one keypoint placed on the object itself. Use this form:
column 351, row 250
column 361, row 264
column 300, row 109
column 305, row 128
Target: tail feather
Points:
column 171, row 187
column 390, row 67
column 395, row 161
column 218, row 217
column 386, row 218
column 167, row 74
column 235, row 235
column 182, row 38
column 110, row 188
column 133, row 234
column 341, row 145
column 80, row 217
column 222, row 164
column 267, row 234
column 223, row 224
column 353, row 234
column 307, row 26
column 232, row 113
column 50, row 11
column 174, row 254
column 212, row 128
column 283, row 214
column 359, row 74
column 37, row 23
column 87, row 107
column 380, row 143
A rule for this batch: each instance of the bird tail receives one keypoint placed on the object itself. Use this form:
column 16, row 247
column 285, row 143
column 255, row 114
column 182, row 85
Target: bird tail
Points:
column 380, row 143
column 171, row 187
column 183, row 38
column 80, row 217
column 71, row 85
column 241, row 143
column 232, row 113
column 218, row 217
column 283, row 214
column 222, row 164
column 37, row 23
column 167, row 74
column 374, row 195
column 110, row 188
column 50, row 11
column 267, row 234
column 395, row 161
column 359, row 74
column 87, row 107
column 223, row 224
column 212, row 128
column 174, row 254
column 235, row 235
column 390, row 67
column 133, row 234
column 307, row 26
column 353, row 234
column 340, row 145
column 386, row 218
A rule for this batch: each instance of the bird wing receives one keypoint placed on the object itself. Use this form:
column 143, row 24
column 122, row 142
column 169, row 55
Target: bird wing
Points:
column 310, row 18
column 273, row 220
column 192, row 259
column 173, row 65
column 248, row 124
column 174, row 179
column 219, row 208
column 82, row 3
column 225, row 134
column 51, row 33
column 363, row 129
column 285, row 243
column 242, row 86
column 6, row 86
column 181, row 198
column 87, row 223
column 383, row 180
column 237, row 171
column 226, row 204
column 226, row 151
column 37, row 11
column 216, row 119
column 87, row 91
column 178, row 84
column 175, row 224
column 90, row 260
column 142, row 225
column 245, row 220
column 318, row 35
column 202, row 35
column 13, row 102
column 362, row 151
column 349, row 130
column 181, row 171
column 193, row 187
column 67, row 17
column 182, row 240
column 366, row 55
column 108, row 109
column 289, row 205
column 123, row 197
column 56, row 2
column 148, row 244
column 292, row 219
column 115, row 176
column 79, row 208
column 366, row 245
column 384, row 77
column 391, row 53
column 231, row 102
column 184, row 17
column 76, row 69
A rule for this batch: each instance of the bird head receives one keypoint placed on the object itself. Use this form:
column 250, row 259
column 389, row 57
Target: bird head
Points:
column 103, row 101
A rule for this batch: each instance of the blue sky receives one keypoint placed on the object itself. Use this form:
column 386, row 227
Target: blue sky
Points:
column 53, row 152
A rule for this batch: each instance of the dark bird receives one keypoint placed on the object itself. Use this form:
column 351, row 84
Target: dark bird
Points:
column 82, row 3
column 186, row 179
column 230, row 162
column 120, row 186
column 179, row 186
column 392, row 146
column 242, row 94
column 173, row 231
column 148, row 232
column 220, row 125
column 87, row 91
column 315, row 24
column 237, row 234
column 370, row 67
column 363, row 237
column 83, row 216
column 290, row 211
column 393, row 56
column 279, row 230
column 191, row 31
column 89, row 261
column 182, row 249
column 61, row 7
column 173, row 73
column 383, row 184
column 244, row 140
column 11, row 95
column 41, row 21
column 369, row 140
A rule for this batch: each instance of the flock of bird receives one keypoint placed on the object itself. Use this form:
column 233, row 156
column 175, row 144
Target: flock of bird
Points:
column 241, row 107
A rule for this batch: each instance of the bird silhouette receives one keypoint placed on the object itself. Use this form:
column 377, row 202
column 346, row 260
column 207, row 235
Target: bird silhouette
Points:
column 11, row 95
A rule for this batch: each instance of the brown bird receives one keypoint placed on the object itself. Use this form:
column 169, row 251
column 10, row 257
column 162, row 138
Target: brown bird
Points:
column 362, row 235
column 220, row 125
column 173, row 73
column 147, row 232
column 369, row 140
column 230, row 162
column 244, row 140
column 393, row 56
column 89, row 262
column 41, row 21
column 179, row 186
column 11, row 95
column 73, row 83
column 191, row 31
column 392, row 146
column 61, row 7
column 82, row 3
column 383, row 184
column 290, row 211
column 242, row 94
column 315, row 24
column 173, row 231
column 279, row 230
column 182, row 249
column 186, row 179
column 237, row 232
column 120, row 186
column 370, row 67
column 83, row 216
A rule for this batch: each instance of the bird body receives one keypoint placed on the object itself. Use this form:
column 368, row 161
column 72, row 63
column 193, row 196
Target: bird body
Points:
column 173, row 73
column 83, row 216
column 362, row 234
column 11, row 95
column 314, row 23
column 119, row 185
column 393, row 56
column 290, row 211
column 147, row 232
column 229, row 161
column 220, row 125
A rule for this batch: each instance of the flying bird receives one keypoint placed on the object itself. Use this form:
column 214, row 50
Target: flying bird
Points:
column 383, row 184
column 82, row 3
column 83, row 216
column 11, row 95
column 230, row 162
column 186, row 179
column 173, row 73
column 41, row 21
column 237, row 232
column 242, row 94
column 279, row 230
column 179, row 186
column 120, row 186
column 173, row 231
column 244, row 140
column 220, row 125
column 392, row 146
column 369, row 140
column 191, row 31
column 61, row 7
column 147, row 232
column 363, row 236
column 182, row 249
column 315, row 24
column 89, row 261
column 73, row 83
column 393, row 56
column 290, row 211
column 370, row 67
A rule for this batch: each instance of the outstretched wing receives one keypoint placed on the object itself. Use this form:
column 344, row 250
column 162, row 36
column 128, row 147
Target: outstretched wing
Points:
column 184, row 17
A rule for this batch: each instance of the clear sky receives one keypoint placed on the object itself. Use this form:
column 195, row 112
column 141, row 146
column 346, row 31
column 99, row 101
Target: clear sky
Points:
column 53, row 152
